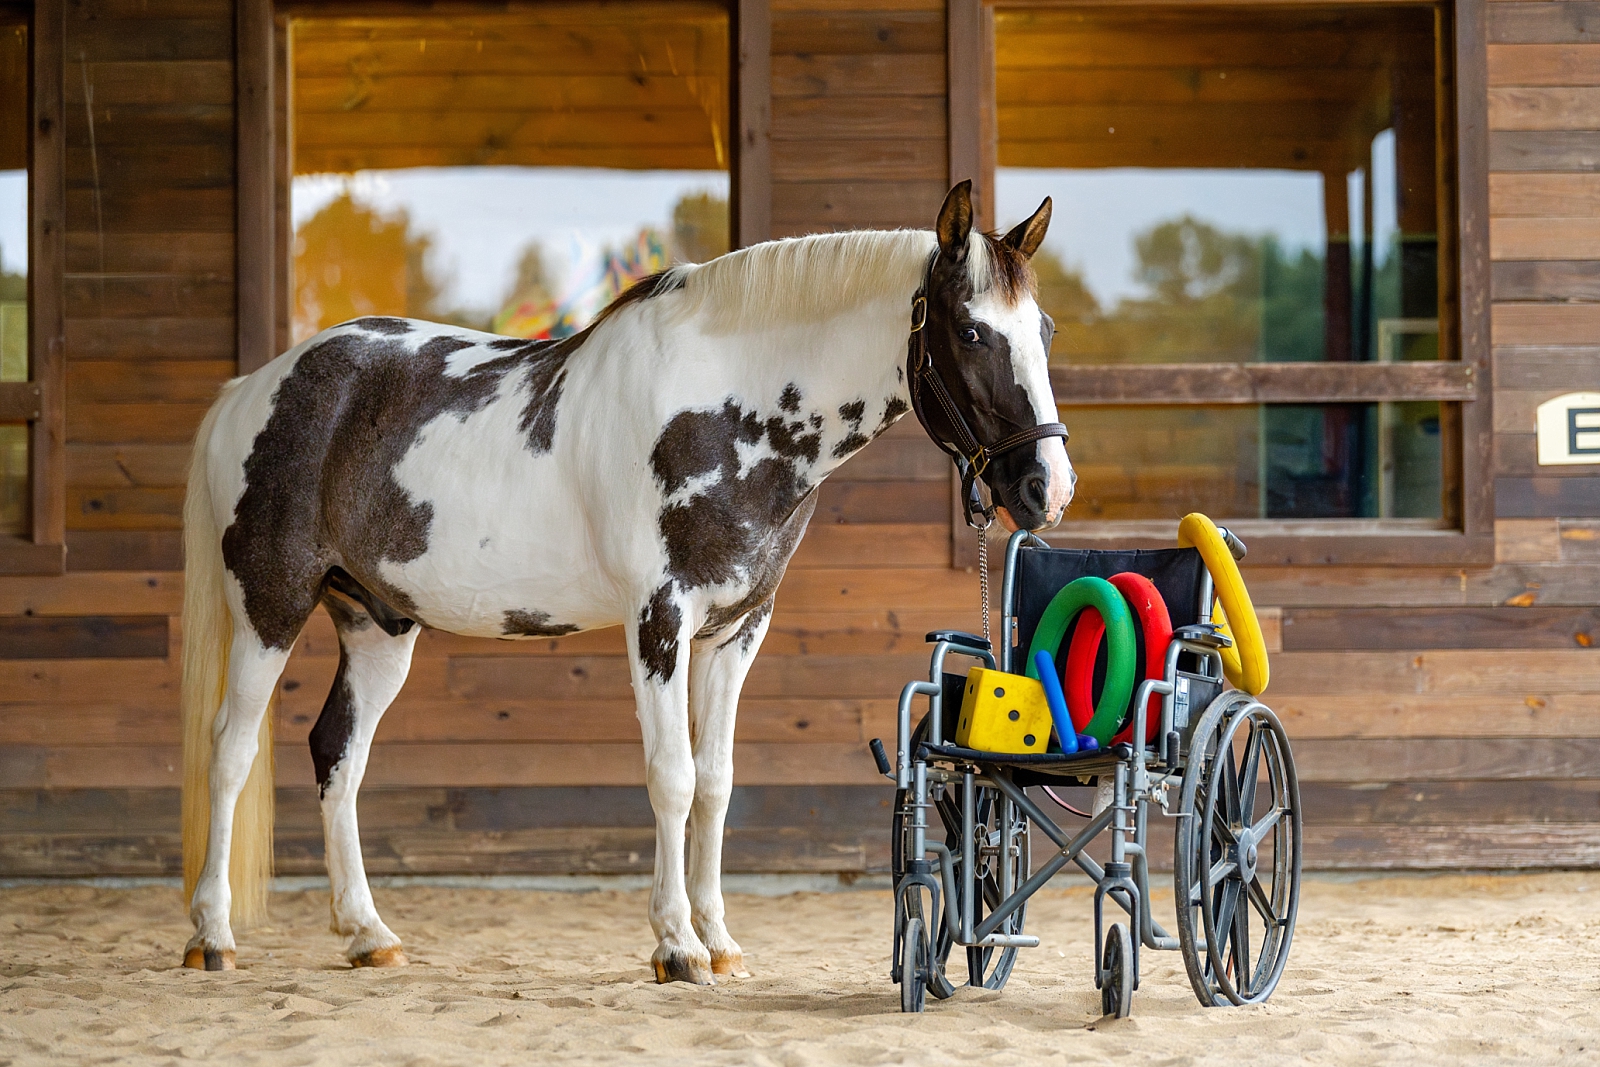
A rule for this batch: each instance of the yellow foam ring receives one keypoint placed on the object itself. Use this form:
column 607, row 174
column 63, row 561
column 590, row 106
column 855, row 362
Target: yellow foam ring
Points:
column 1245, row 664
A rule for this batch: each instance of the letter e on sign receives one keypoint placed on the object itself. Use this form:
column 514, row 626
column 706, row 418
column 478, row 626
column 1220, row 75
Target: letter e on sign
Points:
column 1569, row 429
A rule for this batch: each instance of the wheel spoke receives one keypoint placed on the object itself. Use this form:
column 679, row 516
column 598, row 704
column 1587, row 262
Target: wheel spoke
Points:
column 1241, row 950
column 1227, row 905
column 1229, row 787
column 1268, row 821
column 1261, row 902
column 1220, row 870
column 1249, row 768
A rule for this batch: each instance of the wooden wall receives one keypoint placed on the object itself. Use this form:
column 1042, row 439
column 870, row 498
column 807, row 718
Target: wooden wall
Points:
column 1441, row 716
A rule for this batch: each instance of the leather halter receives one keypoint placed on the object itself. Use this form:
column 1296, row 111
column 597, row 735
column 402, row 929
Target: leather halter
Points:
column 970, row 456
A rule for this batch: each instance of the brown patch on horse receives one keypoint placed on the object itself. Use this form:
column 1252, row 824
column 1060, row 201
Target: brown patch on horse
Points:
column 730, row 964
column 393, row 956
column 677, row 967
column 658, row 284
column 1010, row 273
column 209, row 959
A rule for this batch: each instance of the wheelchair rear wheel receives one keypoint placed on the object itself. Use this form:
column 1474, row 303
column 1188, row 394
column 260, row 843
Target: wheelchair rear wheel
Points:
column 1236, row 871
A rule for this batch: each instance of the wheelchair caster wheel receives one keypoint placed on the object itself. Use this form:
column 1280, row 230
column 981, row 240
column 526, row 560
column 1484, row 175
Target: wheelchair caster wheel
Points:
column 913, row 962
column 1116, row 981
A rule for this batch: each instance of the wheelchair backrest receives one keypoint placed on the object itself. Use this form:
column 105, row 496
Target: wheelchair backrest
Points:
column 1043, row 572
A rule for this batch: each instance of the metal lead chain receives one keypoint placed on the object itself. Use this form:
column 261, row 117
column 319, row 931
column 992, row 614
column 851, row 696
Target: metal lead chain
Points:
column 983, row 575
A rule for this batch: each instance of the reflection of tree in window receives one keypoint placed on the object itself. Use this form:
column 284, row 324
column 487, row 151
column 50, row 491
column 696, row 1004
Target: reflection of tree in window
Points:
column 14, row 480
column 352, row 260
column 1208, row 295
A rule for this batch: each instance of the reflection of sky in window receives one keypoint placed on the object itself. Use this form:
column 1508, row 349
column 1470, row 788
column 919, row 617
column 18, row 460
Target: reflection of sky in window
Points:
column 480, row 218
column 14, row 221
column 1097, row 213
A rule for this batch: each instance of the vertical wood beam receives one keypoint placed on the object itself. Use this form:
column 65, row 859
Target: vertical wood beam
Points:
column 750, row 106
column 46, row 270
column 283, row 183
column 255, row 225
column 1472, row 257
column 964, row 66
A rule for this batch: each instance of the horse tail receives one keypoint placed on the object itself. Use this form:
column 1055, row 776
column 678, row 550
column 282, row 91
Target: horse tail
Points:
column 207, row 637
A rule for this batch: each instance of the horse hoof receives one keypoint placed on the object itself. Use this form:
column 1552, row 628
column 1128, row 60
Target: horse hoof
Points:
column 209, row 959
column 393, row 956
column 731, row 964
column 676, row 967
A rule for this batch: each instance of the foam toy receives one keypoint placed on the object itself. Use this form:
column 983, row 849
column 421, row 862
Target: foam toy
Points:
column 1071, row 741
column 1003, row 712
column 1155, row 625
column 1106, row 716
column 1245, row 663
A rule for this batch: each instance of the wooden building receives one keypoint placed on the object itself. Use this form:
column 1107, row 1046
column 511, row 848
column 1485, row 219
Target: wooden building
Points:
column 1439, row 676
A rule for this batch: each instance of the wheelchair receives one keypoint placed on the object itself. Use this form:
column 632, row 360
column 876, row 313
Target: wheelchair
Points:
column 1217, row 762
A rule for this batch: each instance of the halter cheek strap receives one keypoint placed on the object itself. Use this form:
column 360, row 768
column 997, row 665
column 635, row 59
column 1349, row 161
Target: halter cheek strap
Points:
column 970, row 456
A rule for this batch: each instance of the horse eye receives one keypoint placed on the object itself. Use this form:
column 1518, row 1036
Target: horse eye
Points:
column 969, row 335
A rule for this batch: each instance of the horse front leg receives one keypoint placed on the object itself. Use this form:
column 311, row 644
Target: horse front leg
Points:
column 372, row 667
column 717, row 675
column 658, row 647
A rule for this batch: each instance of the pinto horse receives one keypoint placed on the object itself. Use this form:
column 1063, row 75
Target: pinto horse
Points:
column 655, row 471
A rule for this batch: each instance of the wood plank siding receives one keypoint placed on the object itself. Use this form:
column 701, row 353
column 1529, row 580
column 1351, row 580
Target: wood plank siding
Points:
column 1442, row 715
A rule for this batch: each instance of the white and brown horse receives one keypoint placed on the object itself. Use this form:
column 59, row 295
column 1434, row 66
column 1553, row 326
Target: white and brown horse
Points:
column 655, row 471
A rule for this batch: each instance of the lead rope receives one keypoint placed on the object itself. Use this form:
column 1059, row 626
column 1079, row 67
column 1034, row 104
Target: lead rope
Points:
column 983, row 575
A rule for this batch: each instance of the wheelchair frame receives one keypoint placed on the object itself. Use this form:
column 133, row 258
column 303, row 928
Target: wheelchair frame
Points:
column 1193, row 770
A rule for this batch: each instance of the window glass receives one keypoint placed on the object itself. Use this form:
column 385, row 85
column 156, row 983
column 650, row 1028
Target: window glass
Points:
column 1270, row 461
column 1247, row 185
column 504, row 172
column 13, row 267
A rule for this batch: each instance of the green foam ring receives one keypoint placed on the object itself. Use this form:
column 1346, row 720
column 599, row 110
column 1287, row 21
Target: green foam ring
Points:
column 1121, row 653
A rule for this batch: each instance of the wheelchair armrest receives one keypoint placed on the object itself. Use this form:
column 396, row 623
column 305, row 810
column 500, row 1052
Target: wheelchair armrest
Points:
column 959, row 637
column 1203, row 633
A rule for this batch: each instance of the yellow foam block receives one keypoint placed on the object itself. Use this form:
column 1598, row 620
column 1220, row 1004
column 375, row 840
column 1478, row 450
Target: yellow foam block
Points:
column 1003, row 712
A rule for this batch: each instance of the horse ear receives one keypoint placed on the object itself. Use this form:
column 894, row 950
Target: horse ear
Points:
column 1028, row 236
column 955, row 222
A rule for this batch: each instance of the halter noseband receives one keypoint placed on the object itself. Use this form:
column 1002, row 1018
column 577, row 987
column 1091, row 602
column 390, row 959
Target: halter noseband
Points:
column 970, row 457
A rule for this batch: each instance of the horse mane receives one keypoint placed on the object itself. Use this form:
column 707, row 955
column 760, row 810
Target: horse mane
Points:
column 804, row 279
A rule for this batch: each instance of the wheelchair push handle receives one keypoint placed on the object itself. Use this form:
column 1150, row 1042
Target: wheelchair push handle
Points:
column 1236, row 547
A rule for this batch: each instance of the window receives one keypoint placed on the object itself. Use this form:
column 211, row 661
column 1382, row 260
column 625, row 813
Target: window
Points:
column 14, row 476
column 507, row 172
column 32, row 250
column 1254, row 265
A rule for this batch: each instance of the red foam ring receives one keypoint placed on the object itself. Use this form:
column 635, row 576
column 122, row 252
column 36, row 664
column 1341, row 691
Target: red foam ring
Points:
column 1153, row 619
column 1078, row 682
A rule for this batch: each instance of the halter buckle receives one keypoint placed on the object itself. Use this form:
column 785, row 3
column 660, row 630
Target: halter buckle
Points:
column 920, row 303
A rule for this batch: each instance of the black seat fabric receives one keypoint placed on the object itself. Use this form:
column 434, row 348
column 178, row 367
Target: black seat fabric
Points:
column 1043, row 572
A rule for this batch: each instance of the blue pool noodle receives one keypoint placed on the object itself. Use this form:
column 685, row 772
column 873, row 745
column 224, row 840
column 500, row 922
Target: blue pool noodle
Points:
column 1057, row 700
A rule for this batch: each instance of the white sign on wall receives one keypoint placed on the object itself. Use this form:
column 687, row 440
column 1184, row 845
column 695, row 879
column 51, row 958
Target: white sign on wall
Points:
column 1569, row 429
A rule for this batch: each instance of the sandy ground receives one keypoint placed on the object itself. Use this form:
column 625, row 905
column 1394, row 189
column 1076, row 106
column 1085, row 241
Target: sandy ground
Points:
column 1387, row 970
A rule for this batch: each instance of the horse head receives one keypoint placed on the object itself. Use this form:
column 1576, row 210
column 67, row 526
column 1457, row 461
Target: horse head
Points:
column 979, row 366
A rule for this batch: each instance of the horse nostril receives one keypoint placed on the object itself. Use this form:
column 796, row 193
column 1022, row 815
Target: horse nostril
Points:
column 1074, row 482
column 1034, row 493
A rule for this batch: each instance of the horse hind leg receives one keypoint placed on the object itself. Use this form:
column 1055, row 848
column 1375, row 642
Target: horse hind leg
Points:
column 253, row 672
column 374, row 659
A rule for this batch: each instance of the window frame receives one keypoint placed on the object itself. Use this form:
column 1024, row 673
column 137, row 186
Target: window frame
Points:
column 39, row 401
column 264, row 165
column 1466, row 383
